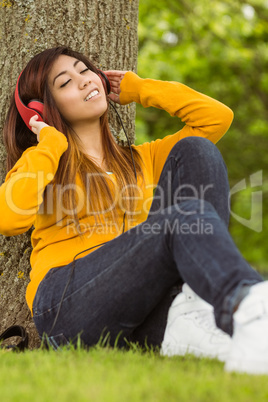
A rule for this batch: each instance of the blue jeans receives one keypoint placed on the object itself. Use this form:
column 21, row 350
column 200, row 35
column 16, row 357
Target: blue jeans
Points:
column 125, row 287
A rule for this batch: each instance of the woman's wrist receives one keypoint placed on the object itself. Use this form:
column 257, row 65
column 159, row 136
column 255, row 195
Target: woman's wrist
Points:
column 52, row 134
column 130, row 88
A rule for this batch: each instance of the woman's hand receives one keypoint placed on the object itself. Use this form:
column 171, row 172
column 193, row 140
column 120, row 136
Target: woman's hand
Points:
column 115, row 77
column 37, row 126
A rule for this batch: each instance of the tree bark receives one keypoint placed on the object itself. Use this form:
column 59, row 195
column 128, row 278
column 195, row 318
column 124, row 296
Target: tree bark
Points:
column 106, row 30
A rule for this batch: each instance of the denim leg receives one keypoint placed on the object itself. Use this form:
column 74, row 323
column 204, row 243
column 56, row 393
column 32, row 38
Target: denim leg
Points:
column 194, row 169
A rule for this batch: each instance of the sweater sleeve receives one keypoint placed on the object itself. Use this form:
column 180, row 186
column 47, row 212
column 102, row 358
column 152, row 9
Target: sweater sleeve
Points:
column 203, row 116
column 22, row 192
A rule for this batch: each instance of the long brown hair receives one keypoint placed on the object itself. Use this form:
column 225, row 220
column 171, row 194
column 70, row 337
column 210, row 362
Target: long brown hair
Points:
column 17, row 138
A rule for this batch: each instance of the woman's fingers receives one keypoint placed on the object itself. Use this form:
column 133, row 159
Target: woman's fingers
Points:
column 115, row 77
column 33, row 120
column 36, row 125
column 114, row 97
column 115, row 73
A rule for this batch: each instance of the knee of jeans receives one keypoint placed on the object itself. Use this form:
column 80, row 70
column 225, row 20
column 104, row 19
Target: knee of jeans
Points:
column 197, row 147
column 194, row 207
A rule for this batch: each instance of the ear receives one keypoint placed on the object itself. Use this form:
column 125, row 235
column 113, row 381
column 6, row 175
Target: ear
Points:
column 105, row 82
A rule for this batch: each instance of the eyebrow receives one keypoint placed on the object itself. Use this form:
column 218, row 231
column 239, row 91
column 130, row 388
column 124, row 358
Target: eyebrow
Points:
column 64, row 72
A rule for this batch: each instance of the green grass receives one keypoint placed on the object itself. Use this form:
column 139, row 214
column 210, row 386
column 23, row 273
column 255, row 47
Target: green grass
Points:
column 104, row 374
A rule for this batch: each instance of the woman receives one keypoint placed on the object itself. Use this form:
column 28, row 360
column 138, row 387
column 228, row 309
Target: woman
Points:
column 106, row 251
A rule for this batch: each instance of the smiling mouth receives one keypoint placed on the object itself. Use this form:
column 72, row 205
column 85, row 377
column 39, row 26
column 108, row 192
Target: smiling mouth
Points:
column 91, row 95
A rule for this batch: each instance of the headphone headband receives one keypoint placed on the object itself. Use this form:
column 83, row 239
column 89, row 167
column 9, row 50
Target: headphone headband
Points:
column 105, row 81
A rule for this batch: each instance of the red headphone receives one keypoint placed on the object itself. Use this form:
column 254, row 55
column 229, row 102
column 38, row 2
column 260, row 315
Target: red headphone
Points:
column 36, row 107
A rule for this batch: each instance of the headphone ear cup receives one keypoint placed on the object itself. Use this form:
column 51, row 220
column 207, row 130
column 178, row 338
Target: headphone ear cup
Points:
column 105, row 82
column 26, row 112
column 36, row 105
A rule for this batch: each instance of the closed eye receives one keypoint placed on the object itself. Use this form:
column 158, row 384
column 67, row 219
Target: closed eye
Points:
column 65, row 83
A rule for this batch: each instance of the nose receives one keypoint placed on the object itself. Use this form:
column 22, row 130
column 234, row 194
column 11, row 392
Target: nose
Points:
column 84, row 81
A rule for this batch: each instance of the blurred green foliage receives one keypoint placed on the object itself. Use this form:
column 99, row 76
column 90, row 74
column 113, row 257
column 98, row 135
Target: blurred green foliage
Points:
column 219, row 48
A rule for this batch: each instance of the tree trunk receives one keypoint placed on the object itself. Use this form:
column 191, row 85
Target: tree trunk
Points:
column 106, row 30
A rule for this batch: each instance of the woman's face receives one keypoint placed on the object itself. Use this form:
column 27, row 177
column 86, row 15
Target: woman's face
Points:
column 78, row 92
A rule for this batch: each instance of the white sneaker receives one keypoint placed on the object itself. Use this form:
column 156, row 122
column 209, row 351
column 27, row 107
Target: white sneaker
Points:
column 249, row 348
column 191, row 328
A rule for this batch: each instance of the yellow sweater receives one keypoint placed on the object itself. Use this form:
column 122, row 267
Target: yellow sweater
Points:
column 54, row 239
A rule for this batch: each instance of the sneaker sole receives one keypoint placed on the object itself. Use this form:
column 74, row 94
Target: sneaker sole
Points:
column 183, row 350
column 249, row 367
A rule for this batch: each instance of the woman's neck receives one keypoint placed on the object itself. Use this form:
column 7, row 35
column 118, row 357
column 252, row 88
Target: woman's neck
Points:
column 91, row 142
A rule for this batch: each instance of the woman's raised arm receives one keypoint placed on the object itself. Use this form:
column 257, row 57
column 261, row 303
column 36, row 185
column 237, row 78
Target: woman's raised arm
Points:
column 22, row 192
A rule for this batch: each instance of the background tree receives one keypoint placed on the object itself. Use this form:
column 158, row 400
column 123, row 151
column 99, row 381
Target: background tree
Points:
column 219, row 48
column 106, row 31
